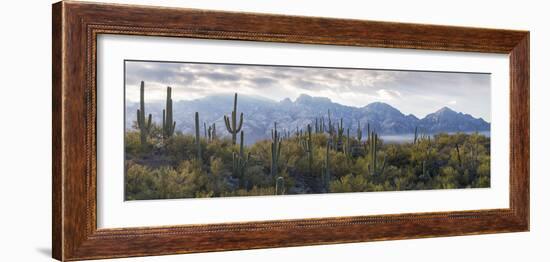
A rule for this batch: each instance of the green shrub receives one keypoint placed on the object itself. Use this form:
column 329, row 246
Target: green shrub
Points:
column 169, row 168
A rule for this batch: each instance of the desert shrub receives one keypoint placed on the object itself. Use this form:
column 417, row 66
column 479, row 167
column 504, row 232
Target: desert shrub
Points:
column 170, row 168
column 349, row 183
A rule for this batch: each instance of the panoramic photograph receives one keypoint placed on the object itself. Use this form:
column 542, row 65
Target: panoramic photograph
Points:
column 200, row 130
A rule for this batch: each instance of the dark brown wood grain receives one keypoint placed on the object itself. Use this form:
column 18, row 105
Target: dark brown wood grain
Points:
column 76, row 26
column 57, row 199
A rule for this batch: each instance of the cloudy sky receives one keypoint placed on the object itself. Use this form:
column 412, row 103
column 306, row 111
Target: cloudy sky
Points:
column 411, row 92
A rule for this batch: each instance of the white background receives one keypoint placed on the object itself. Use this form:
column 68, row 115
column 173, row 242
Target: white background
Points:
column 25, row 147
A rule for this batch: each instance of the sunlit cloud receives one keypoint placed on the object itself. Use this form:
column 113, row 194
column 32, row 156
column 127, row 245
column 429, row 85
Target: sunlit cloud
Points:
column 385, row 94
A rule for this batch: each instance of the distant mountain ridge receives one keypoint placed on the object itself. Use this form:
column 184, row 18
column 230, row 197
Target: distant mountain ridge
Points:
column 261, row 113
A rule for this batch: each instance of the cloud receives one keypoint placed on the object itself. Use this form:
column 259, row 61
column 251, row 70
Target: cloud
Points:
column 263, row 81
column 385, row 94
column 413, row 92
column 219, row 76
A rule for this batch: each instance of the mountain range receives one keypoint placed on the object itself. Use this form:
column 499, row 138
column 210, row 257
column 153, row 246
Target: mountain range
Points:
column 261, row 113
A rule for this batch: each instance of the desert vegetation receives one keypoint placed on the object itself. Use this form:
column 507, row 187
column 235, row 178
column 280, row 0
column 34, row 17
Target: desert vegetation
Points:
column 323, row 156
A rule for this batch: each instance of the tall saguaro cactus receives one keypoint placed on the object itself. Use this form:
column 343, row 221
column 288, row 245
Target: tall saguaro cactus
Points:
column 340, row 135
column 214, row 136
column 231, row 124
column 168, row 123
column 240, row 160
column 347, row 146
column 374, row 155
column 211, row 132
column 359, row 131
column 198, row 137
column 275, row 150
column 330, row 126
column 458, row 155
column 374, row 150
column 368, row 130
column 308, row 145
column 325, row 175
column 144, row 127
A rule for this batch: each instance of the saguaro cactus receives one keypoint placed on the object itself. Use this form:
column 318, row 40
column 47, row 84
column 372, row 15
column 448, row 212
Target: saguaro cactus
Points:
column 211, row 132
column 325, row 175
column 144, row 127
column 373, row 150
column 168, row 123
column 330, row 126
column 458, row 155
column 340, row 134
column 280, row 186
column 232, row 127
column 240, row 160
column 275, row 150
column 308, row 146
column 316, row 125
column 359, row 131
column 214, row 136
column 347, row 146
column 198, row 137
column 368, row 130
column 366, row 146
column 374, row 156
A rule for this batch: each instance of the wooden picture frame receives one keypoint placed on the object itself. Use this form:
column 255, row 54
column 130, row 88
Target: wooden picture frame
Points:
column 76, row 26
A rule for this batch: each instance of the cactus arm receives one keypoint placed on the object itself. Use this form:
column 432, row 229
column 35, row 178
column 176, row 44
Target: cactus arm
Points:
column 227, row 125
column 168, row 125
column 240, row 122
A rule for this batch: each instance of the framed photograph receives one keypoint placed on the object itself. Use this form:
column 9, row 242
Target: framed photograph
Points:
column 181, row 130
